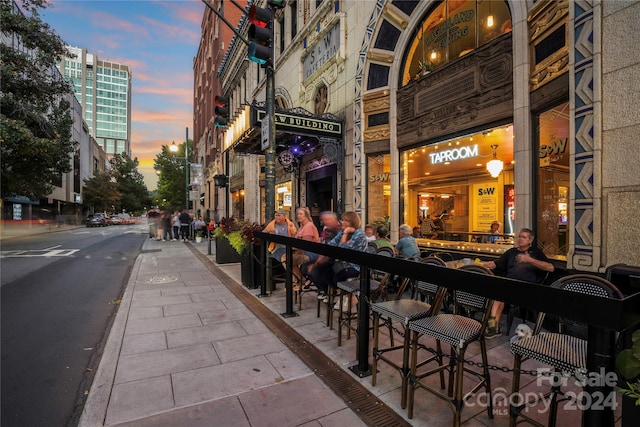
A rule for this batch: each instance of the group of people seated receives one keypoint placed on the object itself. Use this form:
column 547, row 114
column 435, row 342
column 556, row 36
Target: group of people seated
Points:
column 524, row 261
column 310, row 268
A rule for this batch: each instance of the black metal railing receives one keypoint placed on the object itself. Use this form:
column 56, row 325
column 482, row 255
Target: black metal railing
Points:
column 604, row 317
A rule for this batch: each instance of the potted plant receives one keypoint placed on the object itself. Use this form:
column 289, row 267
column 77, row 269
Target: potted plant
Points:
column 628, row 366
column 235, row 235
column 199, row 235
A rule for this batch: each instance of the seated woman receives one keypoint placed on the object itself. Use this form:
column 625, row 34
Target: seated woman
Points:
column 307, row 231
column 324, row 271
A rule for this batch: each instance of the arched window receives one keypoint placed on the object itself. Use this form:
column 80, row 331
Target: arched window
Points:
column 452, row 29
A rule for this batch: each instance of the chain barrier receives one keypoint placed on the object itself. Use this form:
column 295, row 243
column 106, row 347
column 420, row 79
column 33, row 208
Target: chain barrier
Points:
column 388, row 322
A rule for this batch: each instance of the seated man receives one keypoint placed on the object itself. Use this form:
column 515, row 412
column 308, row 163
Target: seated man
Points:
column 428, row 229
column 324, row 271
column 523, row 262
column 330, row 228
column 407, row 247
column 281, row 226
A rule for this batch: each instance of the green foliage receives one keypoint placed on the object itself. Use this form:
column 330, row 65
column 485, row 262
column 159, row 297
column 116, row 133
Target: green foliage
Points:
column 35, row 120
column 239, row 233
column 101, row 192
column 385, row 221
column 628, row 365
column 130, row 183
column 170, row 168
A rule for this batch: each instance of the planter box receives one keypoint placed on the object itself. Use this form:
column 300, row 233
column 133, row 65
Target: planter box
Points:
column 225, row 254
column 251, row 268
column 630, row 412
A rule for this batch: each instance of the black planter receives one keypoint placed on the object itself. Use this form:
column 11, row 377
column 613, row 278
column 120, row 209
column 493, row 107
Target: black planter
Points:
column 630, row 412
column 250, row 266
column 225, row 254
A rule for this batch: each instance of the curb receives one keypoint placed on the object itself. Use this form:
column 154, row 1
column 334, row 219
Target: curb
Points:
column 95, row 408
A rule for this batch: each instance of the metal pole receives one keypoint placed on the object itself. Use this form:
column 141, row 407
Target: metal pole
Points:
column 186, row 168
column 270, row 152
column 363, row 369
column 288, row 284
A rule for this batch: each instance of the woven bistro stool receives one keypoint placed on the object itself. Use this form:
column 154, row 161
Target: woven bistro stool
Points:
column 401, row 311
column 349, row 313
column 458, row 329
column 565, row 351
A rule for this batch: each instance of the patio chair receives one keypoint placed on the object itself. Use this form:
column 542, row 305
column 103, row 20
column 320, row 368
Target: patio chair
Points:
column 458, row 329
column 378, row 285
column 514, row 311
column 565, row 351
column 402, row 311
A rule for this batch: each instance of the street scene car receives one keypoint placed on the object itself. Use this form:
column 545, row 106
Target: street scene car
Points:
column 98, row 220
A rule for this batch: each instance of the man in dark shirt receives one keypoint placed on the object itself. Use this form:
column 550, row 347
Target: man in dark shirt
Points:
column 523, row 262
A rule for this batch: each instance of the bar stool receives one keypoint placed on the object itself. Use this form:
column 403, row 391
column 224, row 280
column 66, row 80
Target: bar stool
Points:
column 349, row 313
column 403, row 311
column 565, row 351
column 457, row 330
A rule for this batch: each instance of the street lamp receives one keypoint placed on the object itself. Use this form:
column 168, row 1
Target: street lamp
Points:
column 174, row 149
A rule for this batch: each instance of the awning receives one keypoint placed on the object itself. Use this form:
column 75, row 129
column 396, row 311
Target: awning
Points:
column 294, row 126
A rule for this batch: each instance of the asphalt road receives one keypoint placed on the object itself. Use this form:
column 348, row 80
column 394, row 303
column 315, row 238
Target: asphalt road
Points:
column 59, row 294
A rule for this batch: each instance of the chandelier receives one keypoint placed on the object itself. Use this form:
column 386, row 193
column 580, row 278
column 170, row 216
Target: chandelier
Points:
column 495, row 166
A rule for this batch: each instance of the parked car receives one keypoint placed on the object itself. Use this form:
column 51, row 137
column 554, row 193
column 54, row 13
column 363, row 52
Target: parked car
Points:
column 97, row 220
column 116, row 220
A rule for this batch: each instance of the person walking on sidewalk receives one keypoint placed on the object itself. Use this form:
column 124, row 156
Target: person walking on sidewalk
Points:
column 175, row 223
column 185, row 222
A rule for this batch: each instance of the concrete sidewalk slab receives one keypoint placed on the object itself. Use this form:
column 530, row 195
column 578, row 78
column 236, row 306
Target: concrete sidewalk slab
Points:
column 183, row 350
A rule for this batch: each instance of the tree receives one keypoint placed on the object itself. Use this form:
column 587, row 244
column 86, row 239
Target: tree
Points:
column 130, row 184
column 101, row 191
column 35, row 121
column 171, row 171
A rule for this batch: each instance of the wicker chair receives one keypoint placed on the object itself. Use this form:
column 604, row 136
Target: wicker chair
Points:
column 565, row 351
column 402, row 311
column 378, row 284
column 458, row 329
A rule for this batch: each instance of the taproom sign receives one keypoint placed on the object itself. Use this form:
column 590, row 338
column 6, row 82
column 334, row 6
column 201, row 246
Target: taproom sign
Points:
column 454, row 154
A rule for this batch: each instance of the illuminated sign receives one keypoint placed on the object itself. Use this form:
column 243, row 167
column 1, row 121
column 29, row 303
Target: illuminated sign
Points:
column 453, row 154
column 300, row 125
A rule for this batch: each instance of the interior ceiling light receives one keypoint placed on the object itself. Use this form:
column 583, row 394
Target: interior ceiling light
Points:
column 495, row 166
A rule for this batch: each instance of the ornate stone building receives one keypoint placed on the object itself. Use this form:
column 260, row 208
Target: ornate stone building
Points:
column 426, row 95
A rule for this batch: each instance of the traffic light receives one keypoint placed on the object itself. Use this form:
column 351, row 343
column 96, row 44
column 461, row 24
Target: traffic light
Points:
column 220, row 180
column 276, row 4
column 222, row 111
column 260, row 35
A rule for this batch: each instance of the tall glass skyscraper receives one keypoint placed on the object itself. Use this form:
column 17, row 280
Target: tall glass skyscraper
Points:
column 104, row 91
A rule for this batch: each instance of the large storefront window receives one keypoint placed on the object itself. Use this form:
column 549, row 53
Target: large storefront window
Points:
column 553, row 181
column 449, row 182
column 379, row 187
column 452, row 29
column 237, row 204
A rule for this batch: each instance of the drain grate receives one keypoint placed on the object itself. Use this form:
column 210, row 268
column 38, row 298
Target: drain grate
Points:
column 370, row 409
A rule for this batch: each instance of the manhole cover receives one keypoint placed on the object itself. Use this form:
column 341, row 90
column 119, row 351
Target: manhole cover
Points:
column 159, row 279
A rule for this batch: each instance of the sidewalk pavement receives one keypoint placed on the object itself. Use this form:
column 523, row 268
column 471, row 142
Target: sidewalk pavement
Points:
column 184, row 350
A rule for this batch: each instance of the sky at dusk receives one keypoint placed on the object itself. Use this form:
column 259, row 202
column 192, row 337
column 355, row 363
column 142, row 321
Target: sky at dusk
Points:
column 158, row 39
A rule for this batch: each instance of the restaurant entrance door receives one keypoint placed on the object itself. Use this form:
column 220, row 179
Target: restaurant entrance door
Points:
column 322, row 190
